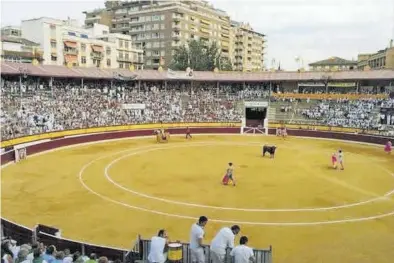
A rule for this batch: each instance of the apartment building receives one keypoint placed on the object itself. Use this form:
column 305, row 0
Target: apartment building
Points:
column 333, row 64
column 247, row 47
column 383, row 59
column 15, row 48
column 159, row 27
column 127, row 55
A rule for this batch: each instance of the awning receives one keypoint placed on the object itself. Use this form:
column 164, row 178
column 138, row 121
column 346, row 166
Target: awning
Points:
column 70, row 44
column 53, row 54
column 97, row 48
column 71, row 58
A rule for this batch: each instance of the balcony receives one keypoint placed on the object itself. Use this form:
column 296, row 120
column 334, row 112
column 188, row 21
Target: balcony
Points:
column 133, row 21
column 124, row 59
column 205, row 22
column 176, row 28
column 96, row 55
column 92, row 19
column 176, row 36
column 176, row 18
column 70, row 51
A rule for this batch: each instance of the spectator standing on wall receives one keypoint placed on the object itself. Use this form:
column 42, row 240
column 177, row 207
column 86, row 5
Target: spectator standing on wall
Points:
column 49, row 254
column 196, row 238
column 157, row 247
column 92, row 258
column 224, row 239
column 22, row 256
column 38, row 257
column 243, row 253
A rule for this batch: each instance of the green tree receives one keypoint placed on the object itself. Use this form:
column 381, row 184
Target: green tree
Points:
column 199, row 56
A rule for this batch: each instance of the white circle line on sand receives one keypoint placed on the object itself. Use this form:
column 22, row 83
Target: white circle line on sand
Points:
column 312, row 209
column 353, row 220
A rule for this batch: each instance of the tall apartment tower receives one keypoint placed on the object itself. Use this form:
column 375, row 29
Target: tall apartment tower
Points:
column 248, row 46
column 159, row 27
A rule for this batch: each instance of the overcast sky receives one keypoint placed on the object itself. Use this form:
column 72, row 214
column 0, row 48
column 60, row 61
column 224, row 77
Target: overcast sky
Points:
column 311, row 29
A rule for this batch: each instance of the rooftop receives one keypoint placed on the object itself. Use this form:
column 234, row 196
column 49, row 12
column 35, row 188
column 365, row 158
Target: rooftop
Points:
column 333, row 61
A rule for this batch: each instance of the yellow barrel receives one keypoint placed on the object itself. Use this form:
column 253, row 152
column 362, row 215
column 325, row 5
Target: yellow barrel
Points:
column 175, row 252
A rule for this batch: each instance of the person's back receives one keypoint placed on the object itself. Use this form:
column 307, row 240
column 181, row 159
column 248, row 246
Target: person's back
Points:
column 242, row 253
column 157, row 245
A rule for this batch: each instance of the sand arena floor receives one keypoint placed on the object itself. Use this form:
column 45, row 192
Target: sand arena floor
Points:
column 109, row 192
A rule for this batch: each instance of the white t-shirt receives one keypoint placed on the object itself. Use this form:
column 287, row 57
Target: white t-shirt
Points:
column 242, row 254
column 196, row 233
column 223, row 240
column 156, row 253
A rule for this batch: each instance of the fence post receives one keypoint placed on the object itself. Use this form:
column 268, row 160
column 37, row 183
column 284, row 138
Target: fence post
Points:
column 34, row 238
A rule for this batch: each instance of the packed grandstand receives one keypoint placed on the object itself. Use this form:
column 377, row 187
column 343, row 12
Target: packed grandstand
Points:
column 37, row 99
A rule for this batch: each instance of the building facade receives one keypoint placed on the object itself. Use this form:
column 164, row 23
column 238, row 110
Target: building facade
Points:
column 247, row 48
column 65, row 43
column 14, row 48
column 127, row 55
column 333, row 64
column 383, row 59
column 159, row 27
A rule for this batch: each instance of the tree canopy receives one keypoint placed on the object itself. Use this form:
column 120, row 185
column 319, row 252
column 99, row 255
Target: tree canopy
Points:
column 199, row 56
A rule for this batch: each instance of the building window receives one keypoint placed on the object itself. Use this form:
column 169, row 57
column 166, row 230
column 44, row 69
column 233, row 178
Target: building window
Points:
column 53, row 58
column 126, row 56
column 108, row 62
column 83, row 60
column 83, row 47
column 148, row 45
column 121, row 43
column 163, row 17
column 156, row 53
column 155, row 35
column 108, row 51
column 53, row 44
column 162, row 53
column 148, row 53
column 162, row 26
column 156, row 18
column 126, row 44
column 84, row 36
column 120, row 65
column 72, row 34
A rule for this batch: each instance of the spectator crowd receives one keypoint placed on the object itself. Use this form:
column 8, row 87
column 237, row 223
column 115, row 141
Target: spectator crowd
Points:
column 39, row 106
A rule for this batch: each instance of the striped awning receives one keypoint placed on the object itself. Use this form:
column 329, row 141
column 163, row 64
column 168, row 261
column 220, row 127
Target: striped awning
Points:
column 70, row 44
column 97, row 48
column 71, row 58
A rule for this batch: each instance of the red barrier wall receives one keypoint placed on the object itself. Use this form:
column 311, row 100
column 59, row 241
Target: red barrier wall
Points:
column 61, row 142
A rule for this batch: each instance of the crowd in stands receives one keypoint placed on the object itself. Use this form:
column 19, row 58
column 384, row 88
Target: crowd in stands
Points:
column 356, row 114
column 11, row 252
column 39, row 106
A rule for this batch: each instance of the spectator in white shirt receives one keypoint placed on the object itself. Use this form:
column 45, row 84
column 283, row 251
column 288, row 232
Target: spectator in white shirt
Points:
column 196, row 237
column 157, row 246
column 223, row 240
column 243, row 253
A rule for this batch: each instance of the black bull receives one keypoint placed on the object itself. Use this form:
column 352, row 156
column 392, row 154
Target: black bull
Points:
column 269, row 149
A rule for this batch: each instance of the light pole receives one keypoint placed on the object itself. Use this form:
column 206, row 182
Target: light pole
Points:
column 23, row 73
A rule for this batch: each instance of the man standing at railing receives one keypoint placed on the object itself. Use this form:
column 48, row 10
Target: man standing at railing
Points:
column 243, row 253
column 196, row 238
column 224, row 239
column 157, row 246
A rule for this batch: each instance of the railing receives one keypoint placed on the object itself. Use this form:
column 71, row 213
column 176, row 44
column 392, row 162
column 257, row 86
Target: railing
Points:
column 24, row 235
column 261, row 255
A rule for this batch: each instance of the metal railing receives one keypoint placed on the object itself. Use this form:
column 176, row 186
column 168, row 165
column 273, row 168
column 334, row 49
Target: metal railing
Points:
column 261, row 255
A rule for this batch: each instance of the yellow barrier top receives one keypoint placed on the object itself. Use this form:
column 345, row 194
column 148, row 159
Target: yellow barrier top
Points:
column 330, row 96
column 58, row 134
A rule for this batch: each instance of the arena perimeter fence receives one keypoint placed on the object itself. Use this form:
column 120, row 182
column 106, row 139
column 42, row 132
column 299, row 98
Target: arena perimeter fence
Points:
column 140, row 250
